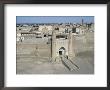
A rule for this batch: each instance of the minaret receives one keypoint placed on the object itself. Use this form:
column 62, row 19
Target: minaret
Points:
column 71, row 53
column 82, row 22
column 53, row 45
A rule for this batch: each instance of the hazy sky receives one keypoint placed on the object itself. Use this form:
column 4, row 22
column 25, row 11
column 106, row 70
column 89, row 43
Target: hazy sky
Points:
column 54, row 19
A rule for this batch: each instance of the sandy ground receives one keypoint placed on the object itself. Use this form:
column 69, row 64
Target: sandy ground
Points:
column 31, row 62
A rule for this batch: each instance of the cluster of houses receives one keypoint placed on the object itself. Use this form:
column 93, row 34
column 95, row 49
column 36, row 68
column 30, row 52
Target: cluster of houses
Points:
column 45, row 29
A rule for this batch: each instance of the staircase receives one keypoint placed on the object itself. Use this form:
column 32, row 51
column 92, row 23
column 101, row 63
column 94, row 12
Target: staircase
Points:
column 69, row 64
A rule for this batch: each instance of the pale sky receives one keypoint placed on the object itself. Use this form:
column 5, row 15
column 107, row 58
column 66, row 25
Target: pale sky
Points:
column 54, row 19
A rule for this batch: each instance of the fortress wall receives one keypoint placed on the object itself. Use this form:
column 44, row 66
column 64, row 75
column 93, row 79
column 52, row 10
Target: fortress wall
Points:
column 33, row 48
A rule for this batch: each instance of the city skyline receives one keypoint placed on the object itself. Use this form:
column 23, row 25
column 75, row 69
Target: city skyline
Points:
column 54, row 19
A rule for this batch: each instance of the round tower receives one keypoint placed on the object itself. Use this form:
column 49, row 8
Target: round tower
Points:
column 71, row 53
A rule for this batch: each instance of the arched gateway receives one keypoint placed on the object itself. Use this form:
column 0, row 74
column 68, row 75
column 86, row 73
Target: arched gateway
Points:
column 62, row 51
column 62, row 46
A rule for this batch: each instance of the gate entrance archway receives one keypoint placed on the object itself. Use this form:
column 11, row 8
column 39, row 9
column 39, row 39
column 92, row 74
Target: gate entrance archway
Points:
column 62, row 51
